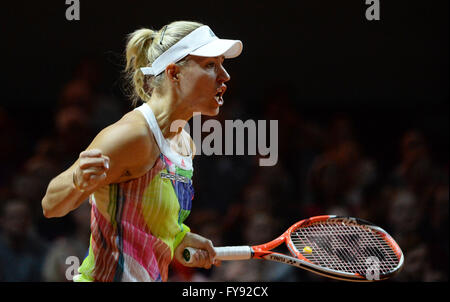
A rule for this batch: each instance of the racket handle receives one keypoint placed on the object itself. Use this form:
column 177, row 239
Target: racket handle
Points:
column 243, row 252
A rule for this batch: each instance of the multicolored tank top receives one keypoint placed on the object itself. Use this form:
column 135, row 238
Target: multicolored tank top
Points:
column 136, row 225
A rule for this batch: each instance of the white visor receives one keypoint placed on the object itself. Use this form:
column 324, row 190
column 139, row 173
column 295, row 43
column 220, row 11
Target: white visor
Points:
column 200, row 42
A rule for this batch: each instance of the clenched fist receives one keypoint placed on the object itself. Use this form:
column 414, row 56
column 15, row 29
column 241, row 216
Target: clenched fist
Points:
column 91, row 170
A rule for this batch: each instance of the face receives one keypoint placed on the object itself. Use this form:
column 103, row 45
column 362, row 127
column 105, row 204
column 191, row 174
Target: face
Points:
column 202, row 84
column 16, row 219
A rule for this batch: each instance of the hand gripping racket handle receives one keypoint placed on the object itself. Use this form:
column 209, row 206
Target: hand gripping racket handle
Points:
column 243, row 252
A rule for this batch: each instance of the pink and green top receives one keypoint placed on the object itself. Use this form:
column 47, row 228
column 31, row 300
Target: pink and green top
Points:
column 136, row 225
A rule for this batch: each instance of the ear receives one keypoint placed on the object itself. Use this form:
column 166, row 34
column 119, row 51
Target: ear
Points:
column 172, row 72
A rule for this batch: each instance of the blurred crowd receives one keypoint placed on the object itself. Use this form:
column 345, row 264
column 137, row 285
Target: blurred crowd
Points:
column 323, row 168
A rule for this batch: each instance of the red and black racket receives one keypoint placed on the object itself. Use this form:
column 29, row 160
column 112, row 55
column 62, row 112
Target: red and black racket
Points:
column 343, row 248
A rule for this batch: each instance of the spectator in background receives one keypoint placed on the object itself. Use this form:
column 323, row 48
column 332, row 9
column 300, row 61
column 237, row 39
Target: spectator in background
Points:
column 34, row 175
column 10, row 152
column 417, row 172
column 75, row 244
column 341, row 173
column 84, row 91
column 52, row 154
column 404, row 218
column 21, row 250
column 260, row 227
column 72, row 132
column 82, row 110
column 416, row 204
column 437, row 232
column 425, row 246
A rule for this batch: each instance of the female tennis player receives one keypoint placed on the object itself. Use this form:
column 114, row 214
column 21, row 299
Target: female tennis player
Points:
column 137, row 172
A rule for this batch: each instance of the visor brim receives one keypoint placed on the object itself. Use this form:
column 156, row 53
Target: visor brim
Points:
column 228, row 48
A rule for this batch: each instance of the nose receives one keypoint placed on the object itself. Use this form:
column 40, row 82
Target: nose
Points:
column 223, row 75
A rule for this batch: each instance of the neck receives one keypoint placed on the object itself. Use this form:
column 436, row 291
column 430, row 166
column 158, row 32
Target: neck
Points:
column 170, row 113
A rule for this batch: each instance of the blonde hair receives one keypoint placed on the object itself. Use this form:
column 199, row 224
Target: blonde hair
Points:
column 143, row 47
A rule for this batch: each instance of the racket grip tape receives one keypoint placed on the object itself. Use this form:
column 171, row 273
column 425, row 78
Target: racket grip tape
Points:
column 243, row 252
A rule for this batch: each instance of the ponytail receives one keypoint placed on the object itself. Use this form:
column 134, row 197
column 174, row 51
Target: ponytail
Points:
column 137, row 56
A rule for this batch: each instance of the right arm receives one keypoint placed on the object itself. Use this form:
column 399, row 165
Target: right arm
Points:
column 115, row 150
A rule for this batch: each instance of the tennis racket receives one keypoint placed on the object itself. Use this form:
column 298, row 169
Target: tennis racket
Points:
column 343, row 248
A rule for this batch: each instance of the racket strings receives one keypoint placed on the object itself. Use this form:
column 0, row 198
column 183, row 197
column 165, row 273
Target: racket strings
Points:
column 343, row 247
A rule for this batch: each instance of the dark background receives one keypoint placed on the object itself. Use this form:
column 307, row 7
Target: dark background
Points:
column 326, row 53
column 307, row 64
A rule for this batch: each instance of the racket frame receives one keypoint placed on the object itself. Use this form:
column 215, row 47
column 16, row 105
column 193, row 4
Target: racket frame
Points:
column 263, row 251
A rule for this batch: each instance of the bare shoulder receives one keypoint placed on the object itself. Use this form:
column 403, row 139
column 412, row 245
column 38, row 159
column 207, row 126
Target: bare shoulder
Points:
column 129, row 132
column 129, row 144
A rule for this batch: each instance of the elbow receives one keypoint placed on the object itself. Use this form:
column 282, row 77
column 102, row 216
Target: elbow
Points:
column 47, row 213
column 50, row 214
column 46, row 210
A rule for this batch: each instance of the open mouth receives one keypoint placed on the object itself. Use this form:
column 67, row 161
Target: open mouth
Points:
column 219, row 95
